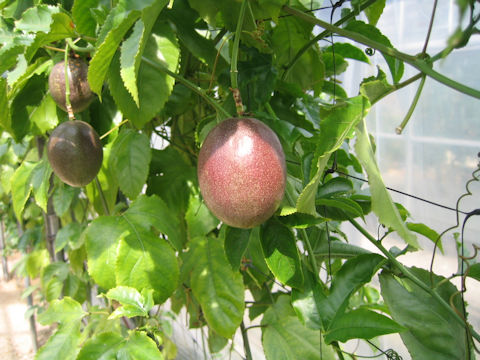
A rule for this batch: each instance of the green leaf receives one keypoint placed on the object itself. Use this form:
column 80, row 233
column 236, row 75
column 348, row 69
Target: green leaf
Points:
column 148, row 211
column 63, row 311
column 131, row 299
column 37, row 18
column 44, row 116
column 374, row 11
column 139, row 347
column 285, row 338
column 382, row 204
column 236, row 243
column 62, row 345
column 281, row 253
column 100, row 63
column 147, row 261
column 338, row 249
column 433, row 333
column 374, row 88
column 307, row 302
column 429, row 233
column 185, row 19
column 40, row 181
column 354, row 273
column 21, row 187
column 103, row 346
column 36, row 261
column 28, row 97
column 348, row 51
column 290, row 217
column 200, row 221
column 288, row 37
column 82, row 16
column 102, row 238
column 207, row 9
column 335, row 186
column 68, row 234
column 129, row 161
column 361, row 324
column 62, row 198
column 161, row 49
column 5, row 121
column 474, row 271
column 218, row 289
column 133, row 48
column 350, row 207
column 216, row 342
column 335, row 127
column 396, row 66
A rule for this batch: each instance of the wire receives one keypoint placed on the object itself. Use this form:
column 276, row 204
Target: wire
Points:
column 406, row 194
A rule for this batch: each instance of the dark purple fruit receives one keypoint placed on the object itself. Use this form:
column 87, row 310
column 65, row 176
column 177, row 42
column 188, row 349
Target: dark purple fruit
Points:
column 75, row 153
column 80, row 94
column 242, row 172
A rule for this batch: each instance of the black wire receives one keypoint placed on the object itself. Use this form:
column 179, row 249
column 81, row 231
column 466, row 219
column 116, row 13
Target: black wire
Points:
column 406, row 194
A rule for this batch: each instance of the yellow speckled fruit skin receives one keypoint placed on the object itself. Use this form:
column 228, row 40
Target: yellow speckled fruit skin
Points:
column 80, row 94
column 242, row 172
column 75, row 153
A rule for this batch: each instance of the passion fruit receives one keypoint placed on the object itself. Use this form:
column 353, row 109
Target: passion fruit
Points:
column 242, row 172
column 80, row 93
column 75, row 152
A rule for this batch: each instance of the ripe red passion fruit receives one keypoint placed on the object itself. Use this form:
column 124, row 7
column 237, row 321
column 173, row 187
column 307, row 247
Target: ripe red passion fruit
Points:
column 80, row 93
column 75, row 152
column 242, row 172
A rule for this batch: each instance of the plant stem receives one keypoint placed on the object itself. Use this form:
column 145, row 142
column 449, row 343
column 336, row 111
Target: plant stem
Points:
column 413, row 278
column 88, row 49
column 102, row 196
column 68, row 105
column 420, row 64
column 246, row 343
column 113, row 129
column 320, row 36
column 399, row 86
column 400, row 128
column 234, row 60
column 189, row 85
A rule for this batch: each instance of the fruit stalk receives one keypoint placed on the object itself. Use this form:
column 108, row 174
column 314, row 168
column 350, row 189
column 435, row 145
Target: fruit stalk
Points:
column 67, row 86
column 233, row 64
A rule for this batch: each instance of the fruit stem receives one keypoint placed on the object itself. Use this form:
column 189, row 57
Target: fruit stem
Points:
column 68, row 105
column 421, row 64
column 189, row 85
column 234, row 61
column 405, row 271
column 113, row 129
column 102, row 196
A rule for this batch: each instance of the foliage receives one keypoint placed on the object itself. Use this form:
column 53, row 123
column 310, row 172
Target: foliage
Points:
column 140, row 235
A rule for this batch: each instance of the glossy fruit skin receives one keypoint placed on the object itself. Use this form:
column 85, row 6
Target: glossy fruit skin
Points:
column 242, row 172
column 80, row 93
column 75, row 153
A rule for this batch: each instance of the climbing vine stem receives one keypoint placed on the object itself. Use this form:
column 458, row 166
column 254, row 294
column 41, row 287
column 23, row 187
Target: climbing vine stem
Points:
column 421, row 64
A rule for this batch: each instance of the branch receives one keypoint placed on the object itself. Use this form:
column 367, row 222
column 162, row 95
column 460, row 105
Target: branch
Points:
column 420, row 64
